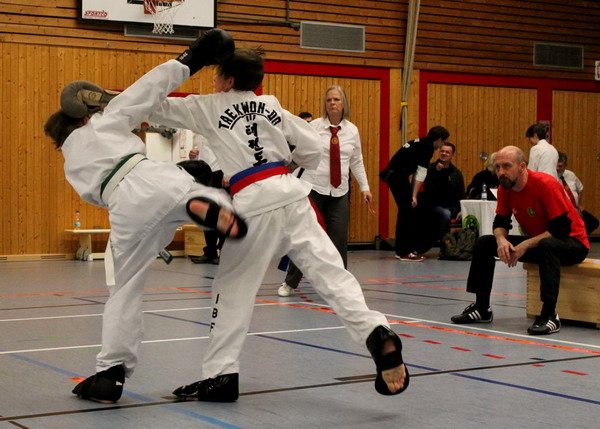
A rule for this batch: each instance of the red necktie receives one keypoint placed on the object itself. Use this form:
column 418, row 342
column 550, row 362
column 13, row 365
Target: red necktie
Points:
column 568, row 190
column 335, row 167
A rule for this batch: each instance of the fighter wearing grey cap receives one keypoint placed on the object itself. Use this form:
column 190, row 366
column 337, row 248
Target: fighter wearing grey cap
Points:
column 147, row 200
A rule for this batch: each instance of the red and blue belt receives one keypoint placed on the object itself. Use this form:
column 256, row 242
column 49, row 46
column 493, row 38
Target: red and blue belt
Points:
column 240, row 180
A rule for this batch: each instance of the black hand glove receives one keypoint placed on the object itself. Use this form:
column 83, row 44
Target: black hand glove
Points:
column 213, row 47
column 81, row 98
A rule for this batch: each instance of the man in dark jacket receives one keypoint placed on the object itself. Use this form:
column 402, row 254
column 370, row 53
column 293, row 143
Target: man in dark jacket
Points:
column 439, row 202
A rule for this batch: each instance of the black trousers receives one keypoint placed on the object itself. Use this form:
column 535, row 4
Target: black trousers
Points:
column 407, row 230
column 550, row 254
column 335, row 212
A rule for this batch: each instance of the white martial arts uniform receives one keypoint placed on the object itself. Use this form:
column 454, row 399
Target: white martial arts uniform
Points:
column 244, row 129
column 145, row 209
column 543, row 157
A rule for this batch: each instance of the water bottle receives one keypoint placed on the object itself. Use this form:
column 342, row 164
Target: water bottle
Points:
column 77, row 220
column 484, row 192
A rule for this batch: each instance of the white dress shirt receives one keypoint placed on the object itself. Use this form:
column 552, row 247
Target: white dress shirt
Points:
column 351, row 159
column 543, row 157
column 574, row 183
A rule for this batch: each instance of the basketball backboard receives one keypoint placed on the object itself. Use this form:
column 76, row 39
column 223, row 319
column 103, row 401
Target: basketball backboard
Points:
column 192, row 13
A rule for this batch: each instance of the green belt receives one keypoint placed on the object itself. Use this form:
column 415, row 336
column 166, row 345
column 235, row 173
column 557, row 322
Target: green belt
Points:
column 114, row 171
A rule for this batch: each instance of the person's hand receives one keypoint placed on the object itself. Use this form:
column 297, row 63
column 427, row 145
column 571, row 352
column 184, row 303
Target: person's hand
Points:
column 413, row 203
column 439, row 166
column 504, row 249
column 518, row 252
column 225, row 182
column 194, row 154
column 367, row 197
column 459, row 216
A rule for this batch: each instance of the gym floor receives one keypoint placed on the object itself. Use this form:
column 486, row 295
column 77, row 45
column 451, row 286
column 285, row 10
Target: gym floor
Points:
column 299, row 367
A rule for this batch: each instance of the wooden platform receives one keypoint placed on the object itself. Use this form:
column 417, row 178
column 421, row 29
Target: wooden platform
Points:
column 579, row 294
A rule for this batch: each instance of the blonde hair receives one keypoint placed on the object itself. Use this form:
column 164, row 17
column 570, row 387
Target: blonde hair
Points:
column 346, row 111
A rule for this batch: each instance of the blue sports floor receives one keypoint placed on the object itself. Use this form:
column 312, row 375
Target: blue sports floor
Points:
column 300, row 369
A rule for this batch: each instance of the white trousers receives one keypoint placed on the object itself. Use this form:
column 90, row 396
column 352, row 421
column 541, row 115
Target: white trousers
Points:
column 122, row 321
column 291, row 230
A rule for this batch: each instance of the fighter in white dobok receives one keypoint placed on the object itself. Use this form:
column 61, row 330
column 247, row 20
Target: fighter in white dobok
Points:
column 147, row 200
column 249, row 135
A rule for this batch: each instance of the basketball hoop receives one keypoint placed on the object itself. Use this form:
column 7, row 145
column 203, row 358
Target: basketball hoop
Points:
column 163, row 12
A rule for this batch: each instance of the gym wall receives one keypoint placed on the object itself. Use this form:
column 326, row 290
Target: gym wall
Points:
column 43, row 46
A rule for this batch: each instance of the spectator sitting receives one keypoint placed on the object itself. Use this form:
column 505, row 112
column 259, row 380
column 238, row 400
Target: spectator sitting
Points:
column 444, row 188
column 307, row 116
column 487, row 177
column 574, row 190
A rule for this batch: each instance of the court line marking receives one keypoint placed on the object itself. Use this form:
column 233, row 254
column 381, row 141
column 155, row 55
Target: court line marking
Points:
column 167, row 310
column 165, row 340
column 553, row 343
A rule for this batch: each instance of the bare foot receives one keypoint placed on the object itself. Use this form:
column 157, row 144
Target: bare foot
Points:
column 224, row 223
column 394, row 377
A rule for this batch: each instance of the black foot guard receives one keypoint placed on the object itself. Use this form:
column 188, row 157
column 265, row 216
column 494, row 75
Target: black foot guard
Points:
column 212, row 218
column 223, row 388
column 375, row 344
column 105, row 386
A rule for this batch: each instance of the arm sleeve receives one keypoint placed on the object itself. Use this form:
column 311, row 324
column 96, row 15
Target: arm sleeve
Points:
column 137, row 102
column 299, row 133
column 560, row 226
column 357, row 166
column 421, row 173
column 459, row 187
column 177, row 112
column 502, row 222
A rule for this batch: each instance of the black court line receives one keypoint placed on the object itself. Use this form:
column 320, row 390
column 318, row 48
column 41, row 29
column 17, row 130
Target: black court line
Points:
column 476, row 368
column 340, row 381
column 18, row 425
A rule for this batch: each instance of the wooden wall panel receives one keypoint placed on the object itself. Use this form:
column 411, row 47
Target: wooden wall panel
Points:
column 481, row 119
column 496, row 37
column 37, row 203
column 305, row 93
column 576, row 131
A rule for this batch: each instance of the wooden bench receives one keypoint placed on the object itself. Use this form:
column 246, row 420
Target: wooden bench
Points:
column 193, row 240
column 85, row 252
column 579, row 293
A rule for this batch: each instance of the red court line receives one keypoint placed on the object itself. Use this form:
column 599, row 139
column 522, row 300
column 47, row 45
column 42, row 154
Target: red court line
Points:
column 431, row 342
column 447, row 276
column 445, row 288
column 495, row 337
column 574, row 372
column 435, row 328
column 461, row 349
column 494, row 356
column 537, row 364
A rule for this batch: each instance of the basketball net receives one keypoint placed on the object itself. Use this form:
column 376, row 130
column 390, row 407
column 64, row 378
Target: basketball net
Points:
column 162, row 13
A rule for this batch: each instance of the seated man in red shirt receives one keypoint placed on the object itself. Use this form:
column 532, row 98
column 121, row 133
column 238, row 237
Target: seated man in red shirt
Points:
column 555, row 236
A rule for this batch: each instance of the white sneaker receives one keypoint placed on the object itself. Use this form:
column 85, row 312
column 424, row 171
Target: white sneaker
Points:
column 284, row 290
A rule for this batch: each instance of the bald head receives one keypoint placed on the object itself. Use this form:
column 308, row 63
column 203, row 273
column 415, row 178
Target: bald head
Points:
column 515, row 154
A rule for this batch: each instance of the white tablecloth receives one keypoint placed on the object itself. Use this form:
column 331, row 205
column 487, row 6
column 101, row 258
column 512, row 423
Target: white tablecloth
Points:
column 482, row 214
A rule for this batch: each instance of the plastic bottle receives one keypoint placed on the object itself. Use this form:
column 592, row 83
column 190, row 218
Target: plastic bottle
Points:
column 77, row 220
column 484, row 192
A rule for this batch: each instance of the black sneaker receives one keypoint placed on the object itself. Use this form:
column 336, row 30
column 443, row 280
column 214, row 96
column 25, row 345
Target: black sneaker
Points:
column 473, row 315
column 222, row 388
column 544, row 325
column 204, row 260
